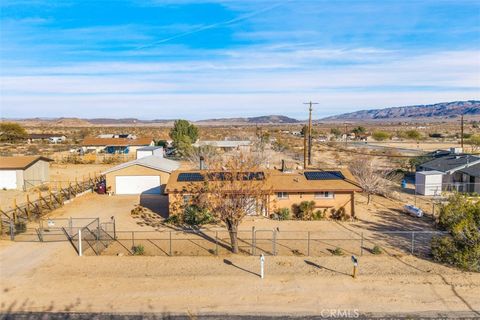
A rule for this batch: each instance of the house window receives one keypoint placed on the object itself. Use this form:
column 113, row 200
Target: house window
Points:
column 282, row 195
column 324, row 195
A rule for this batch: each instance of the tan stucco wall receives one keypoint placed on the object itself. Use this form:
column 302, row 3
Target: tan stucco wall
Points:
column 36, row 174
column 339, row 200
column 135, row 170
column 345, row 200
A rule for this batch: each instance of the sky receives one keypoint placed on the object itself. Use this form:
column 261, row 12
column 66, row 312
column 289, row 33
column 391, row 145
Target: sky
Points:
column 154, row 59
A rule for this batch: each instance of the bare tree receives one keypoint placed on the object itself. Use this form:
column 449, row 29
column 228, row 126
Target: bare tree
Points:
column 232, row 189
column 208, row 154
column 369, row 178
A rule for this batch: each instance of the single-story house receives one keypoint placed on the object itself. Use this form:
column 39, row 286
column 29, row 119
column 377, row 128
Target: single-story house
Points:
column 50, row 137
column 459, row 172
column 149, row 151
column 225, row 145
column 23, row 172
column 116, row 145
column 147, row 175
column 330, row 190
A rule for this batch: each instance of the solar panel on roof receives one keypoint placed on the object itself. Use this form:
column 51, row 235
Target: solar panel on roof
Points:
column 324, row 175
column 190, row 176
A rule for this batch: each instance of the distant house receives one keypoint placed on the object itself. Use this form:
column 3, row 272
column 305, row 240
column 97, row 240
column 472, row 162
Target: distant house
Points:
column 150, row 151
column 147, row 175
column 330, row 190
column 50, row 137
column 23, row 172
column 225, row 145
column 460, row 172
column 116, row 145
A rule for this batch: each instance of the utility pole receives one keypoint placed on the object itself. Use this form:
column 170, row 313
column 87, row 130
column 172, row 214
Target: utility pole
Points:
column 346, row 134
column 309, row 134
column 461, row 131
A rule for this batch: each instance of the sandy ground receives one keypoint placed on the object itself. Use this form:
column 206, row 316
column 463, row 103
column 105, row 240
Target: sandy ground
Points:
column 43, row 277
column 60, row 175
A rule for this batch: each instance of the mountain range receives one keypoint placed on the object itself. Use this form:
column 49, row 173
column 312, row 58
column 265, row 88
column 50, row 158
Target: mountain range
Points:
column 440, row 111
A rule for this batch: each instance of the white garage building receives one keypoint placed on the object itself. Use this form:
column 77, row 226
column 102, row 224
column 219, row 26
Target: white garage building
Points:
column 23, row 172
column 147, row 175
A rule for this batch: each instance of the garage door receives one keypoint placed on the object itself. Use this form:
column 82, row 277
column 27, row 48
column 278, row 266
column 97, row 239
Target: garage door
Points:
column 137, row 184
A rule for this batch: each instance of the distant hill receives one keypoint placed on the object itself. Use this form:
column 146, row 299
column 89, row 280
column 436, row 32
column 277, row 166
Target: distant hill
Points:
column 443, row 110
column 252, row 120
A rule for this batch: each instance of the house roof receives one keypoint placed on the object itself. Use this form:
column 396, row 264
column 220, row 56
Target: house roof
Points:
column 451, row 163
column 278, row 181
column 149, row 148
column 223, row 143
column 473, row 171
column 117, row 142
column 20, row 162
column 152, row 162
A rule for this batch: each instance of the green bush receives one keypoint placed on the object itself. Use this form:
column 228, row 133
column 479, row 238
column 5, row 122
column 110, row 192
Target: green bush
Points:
column 138, row 250
column 381, row 135
column 460, row 217
column 173, row 219
column 337, row 252
column 283, row 214
column 319, row 214
column 304, row 210
column 339, row 214
column 196, row 216
column 377, row 250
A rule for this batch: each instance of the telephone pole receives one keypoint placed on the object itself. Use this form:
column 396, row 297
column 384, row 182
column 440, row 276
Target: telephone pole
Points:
column 461, row 132
column 309, row 135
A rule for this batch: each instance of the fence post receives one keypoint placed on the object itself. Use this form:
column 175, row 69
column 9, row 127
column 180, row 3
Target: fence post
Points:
column 12, row 230
column 274, row 244
column 70, row 225
column 413, row 241
column 216, row 243
column 253, row 241
column 308, row 243
column 114, row 230
column 80, row 242
column 361, row 246
column 170, row 245
column 133, row 239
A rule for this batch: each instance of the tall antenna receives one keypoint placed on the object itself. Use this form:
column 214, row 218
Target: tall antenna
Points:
column 461, row 131
column 309, row 137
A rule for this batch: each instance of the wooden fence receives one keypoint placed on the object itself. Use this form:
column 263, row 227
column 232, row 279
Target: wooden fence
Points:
column 34, row 209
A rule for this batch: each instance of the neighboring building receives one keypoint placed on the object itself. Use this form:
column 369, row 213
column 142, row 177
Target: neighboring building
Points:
column 428, row 183
column 331, row 190
column 459, row 171
column 50, row 137
column 226, row 145
column 116, row 136
column 149, row 151
column 23, row 172
column 116, row 145
column 147, row 175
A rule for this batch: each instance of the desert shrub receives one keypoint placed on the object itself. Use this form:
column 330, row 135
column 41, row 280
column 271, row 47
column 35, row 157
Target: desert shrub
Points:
column 377, row 249
column 283, row 214
column 196, row 216
column 460, row 217
column 319, row 214
column 138, row 250
column 381, row 135
column 173, row 219
column 339, row 214
column 337, row 251
column 304, row 210
column 20, row 227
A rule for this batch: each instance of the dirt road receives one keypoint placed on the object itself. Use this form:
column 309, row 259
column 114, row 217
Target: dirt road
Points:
column 50, row 277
